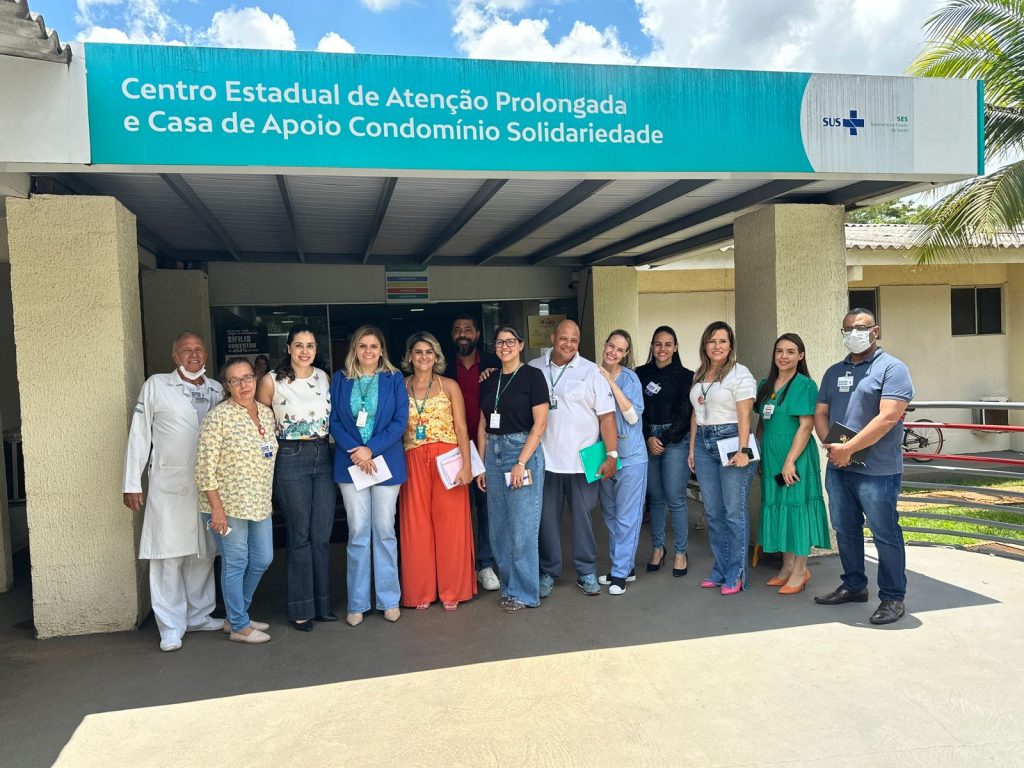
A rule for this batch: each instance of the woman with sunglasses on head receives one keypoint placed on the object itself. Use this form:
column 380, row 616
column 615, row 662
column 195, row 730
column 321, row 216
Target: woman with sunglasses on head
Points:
column 793, row 516
column 299, row 393
column 513, row 416
column 435, row 527
column 622, row 496
column 235, row 477
column 722, row 397
column 666, row 388
column 369, row 412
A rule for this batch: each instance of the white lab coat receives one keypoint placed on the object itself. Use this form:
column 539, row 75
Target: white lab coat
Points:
column 165, row 434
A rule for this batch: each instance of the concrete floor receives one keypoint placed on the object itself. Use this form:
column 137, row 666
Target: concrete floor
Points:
column 665, row 675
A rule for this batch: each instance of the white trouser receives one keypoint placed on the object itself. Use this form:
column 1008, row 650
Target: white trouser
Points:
column 183, row 593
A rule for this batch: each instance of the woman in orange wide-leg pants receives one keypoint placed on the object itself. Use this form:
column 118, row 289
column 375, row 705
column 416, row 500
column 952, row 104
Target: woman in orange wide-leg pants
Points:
column 434, row 523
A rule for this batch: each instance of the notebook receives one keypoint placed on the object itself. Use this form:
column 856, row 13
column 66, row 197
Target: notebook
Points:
column 449, row 464
column 593, row 457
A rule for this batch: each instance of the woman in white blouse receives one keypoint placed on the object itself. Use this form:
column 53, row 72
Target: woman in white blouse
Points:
column 722, row 396
column 300, row 394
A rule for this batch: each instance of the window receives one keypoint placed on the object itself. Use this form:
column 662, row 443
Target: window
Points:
column 865, row 298
column 976, row 311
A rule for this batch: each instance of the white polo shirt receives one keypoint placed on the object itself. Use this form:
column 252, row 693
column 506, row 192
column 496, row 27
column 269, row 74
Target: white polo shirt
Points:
column 583, row 394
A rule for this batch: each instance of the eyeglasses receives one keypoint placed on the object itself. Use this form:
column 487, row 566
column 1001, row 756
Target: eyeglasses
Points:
column 856, row 328
column 499, row 343
column 247, row 379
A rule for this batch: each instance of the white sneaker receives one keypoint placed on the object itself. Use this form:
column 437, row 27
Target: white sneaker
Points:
column 170, row 644
column 615, row 589
column 209, row 624
column 488, row 579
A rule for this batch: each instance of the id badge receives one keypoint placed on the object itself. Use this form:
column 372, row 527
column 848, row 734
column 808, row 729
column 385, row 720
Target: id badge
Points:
column 769, row 409
column 652, row 389
column 267, row 449
column 421, row 432
column 845, row 383
column 554, row 403
column 495, row 422
column 361, row 419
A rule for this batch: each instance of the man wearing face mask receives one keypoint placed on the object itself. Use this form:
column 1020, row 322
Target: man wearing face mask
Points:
column 867, row 392
column 164, row 436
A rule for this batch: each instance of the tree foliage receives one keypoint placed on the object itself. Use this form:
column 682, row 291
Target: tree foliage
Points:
column 890, row 212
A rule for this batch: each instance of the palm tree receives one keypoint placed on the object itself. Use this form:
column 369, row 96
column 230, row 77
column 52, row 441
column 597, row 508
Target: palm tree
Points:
column 984, row 40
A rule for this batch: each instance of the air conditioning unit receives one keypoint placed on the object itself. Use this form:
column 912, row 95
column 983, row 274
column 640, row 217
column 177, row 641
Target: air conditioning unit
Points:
column 993, row 417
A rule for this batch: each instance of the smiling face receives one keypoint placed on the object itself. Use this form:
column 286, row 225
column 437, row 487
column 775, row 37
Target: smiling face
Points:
column 663, row 348
column 565, row 342
column 507, row 347
column 368, row 352
column 465, row 335
column 302, row 350
column 787, row 356
column 423, row 357
column 718, row 347
column 615, row 350
column 190, row 353
column 240, row 380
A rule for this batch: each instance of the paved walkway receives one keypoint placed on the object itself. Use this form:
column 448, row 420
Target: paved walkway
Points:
column 665, row 675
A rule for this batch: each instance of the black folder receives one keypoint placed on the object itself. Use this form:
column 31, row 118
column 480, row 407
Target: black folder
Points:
column 840, row 433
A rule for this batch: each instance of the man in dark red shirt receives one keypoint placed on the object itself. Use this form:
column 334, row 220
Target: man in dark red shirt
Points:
column 466, row 366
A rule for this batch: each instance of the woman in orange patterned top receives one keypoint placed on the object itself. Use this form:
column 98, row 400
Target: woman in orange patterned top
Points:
column 435, row 529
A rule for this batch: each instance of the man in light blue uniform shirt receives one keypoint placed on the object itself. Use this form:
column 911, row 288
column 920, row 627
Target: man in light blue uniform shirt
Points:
column 868, row 392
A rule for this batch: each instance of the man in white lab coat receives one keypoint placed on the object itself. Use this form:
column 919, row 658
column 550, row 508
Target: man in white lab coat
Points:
column 164, row 436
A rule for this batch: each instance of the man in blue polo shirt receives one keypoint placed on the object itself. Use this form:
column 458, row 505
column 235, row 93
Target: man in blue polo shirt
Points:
column 867, row 392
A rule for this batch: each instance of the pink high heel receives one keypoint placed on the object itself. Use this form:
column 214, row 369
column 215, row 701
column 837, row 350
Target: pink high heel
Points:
column 733, row 590
column 709, row 584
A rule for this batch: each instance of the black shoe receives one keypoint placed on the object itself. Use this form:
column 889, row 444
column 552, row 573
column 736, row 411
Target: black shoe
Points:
column 677, row 572
column 302, row 626
column 652, row 567
column 328, row 617
column 843, row 595
column 606, row 578
column 887, row 612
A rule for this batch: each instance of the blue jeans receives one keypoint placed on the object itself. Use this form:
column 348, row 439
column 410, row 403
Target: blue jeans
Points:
column 371, row 536
column 245, row 554
column 854, row 498
column 725, row 492
column 484, row 555
column 515, row 517
column 306, row 493
column 667, row 477
column 622, row 501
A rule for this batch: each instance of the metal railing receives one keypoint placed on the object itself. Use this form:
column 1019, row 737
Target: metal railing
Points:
column 916, row 438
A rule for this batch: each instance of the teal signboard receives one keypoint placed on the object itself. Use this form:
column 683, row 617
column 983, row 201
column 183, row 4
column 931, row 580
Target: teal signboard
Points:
column 171, row 105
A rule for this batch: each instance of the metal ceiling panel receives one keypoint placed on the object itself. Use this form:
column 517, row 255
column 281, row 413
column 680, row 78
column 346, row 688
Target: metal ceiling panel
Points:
column 334, row 213
column 419, row 210
column 249, row 208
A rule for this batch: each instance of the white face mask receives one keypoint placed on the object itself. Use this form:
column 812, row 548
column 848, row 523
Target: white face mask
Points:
column 857, row 341
column 189, row 375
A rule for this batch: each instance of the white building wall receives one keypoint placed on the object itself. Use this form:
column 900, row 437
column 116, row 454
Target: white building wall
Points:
column 687, row 313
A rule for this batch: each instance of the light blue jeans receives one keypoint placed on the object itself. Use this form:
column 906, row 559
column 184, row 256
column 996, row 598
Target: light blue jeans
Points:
column 667, row 477
column 245, row 554
column 622, row 501
column 371, row 536
column 725, row 491
column 514, row 518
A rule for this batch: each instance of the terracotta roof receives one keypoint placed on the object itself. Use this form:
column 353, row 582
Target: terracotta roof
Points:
column 24, row 34
column 902, row 237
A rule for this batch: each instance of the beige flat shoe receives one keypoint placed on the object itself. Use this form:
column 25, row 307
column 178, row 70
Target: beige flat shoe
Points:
column 262, row 626
column 354, row 619
column 254, row 637
column 392, row 614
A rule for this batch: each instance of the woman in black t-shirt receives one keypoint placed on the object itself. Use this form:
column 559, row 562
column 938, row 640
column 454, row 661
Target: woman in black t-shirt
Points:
column 513, row 417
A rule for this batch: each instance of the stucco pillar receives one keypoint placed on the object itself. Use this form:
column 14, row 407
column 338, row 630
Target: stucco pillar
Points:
column 790, row 277
column 174, row 301
column 607, row 300
column 6, row 550
column 74, row 278
column 1015, row 336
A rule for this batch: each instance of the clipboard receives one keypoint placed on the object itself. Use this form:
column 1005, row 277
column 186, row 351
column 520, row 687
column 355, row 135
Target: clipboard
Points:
column 593, row 456
column 840, row 433
column 449, row 464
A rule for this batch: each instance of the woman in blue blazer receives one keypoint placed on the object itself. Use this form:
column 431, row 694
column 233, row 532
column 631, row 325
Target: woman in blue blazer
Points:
column 369, row 411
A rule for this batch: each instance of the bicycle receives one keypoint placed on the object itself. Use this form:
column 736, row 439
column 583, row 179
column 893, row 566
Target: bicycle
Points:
column 926, row 440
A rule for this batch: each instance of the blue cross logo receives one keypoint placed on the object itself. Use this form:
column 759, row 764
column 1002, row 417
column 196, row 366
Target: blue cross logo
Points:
column 853, row 122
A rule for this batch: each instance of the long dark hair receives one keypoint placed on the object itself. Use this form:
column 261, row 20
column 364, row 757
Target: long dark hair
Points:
column 675, row 339
column 768, row 386
column 284, row 369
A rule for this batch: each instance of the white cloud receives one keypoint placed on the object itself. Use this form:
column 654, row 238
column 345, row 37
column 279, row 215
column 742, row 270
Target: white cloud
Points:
column 483, row 29
column 142, row 21
column 332, row 42
column 250, row 27
column 377, row 6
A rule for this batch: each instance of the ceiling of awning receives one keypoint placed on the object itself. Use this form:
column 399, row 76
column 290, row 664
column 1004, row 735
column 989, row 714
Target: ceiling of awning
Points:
column 447, row 221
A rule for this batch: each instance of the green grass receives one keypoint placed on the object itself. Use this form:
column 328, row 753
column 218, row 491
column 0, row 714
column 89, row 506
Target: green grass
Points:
column 955, row 526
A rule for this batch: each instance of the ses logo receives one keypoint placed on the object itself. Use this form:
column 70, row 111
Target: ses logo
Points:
column 851, row 123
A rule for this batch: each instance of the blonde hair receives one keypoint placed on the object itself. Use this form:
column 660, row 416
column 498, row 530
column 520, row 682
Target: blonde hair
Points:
column 705, row 361
column 429, row 338
column 352, row 369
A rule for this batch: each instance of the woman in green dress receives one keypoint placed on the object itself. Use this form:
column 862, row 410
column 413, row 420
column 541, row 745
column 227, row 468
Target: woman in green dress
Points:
column 793, row 516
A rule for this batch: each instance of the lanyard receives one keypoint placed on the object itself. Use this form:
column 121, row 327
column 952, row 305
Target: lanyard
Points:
column 418, row 405
column 498, row 390
column 704, row 391
column 365, row 390
column 785, row 390
column 554, row 383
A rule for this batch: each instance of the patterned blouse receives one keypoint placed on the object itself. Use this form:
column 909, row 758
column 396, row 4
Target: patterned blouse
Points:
column 233, row 460
column 364, row 397
column 436, row 417
column 302, row 406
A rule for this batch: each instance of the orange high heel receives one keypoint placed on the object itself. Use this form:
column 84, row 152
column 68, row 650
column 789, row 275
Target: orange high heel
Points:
column 796, row 590
column 775, row 581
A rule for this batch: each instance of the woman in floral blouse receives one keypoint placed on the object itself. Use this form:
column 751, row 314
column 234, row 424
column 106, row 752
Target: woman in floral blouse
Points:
column 235, row 475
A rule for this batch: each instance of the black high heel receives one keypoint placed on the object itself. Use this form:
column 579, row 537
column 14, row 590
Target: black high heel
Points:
column 677, row 572
column 652, row 567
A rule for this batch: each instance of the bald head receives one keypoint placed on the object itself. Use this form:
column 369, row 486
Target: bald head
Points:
column 189, row 352
column 565, row 342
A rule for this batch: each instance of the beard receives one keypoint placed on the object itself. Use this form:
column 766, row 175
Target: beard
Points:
column 465, row 347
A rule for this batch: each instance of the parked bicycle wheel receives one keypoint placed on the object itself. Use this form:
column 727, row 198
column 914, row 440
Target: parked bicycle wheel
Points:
column 922, row 440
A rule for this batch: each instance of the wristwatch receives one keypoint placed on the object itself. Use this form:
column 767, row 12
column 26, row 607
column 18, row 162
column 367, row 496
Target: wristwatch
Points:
column 612, row 454
column 748, row 451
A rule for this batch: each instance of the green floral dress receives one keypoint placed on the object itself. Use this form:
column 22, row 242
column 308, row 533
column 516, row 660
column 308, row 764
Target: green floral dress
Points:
column 793, row 518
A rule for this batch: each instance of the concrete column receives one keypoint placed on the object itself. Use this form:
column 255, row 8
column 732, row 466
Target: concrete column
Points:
column 790, row 277
column 607, row 299
column 1014, row 302
column 74, row 278
column 174, row 301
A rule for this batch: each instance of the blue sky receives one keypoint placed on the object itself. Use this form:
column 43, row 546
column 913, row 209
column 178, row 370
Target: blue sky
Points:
column 855, row 36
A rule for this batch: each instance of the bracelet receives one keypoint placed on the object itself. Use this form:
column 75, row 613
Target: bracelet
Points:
column 521, row 463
